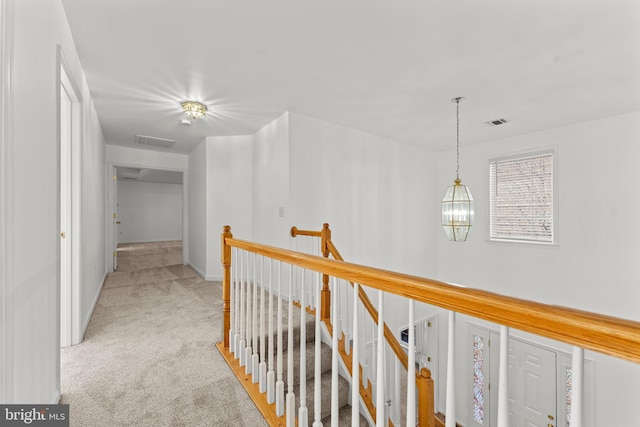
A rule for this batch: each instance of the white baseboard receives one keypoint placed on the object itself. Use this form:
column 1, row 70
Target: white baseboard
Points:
column 208, row 278
column 87, row 319
column 56, row 397
column 197, row 270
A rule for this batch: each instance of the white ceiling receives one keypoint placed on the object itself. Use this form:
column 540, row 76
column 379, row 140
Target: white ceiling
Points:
column 389, row 68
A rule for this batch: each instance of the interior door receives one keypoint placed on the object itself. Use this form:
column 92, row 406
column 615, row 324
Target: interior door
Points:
column 531, row 382
column 65, row 217
column 116, row 222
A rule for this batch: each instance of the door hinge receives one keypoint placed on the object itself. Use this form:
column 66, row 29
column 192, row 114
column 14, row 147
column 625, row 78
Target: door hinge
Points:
column 115, row 253
column 114, row 215
column 428, row 324
column 115, row 178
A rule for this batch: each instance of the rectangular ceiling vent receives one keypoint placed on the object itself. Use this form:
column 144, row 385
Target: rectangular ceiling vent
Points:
column 156, row 142
column 496, row 122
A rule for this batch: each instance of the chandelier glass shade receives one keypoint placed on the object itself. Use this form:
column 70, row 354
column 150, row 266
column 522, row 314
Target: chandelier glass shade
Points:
column 194, row 110
column 458, row 207
column 458, row 212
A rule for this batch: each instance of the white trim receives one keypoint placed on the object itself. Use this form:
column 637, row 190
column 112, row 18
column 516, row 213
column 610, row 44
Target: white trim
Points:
column 524, row 154
column 87, row 319
column 56, row 397
column 208, row 278
column 67, row 79
column 6, row 200
column 111, row 203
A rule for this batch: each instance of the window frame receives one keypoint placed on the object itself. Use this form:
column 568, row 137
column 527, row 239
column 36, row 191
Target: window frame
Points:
column 554, row 184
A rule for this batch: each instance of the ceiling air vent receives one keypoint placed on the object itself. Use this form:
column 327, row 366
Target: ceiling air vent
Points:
column 156, row 142
column 496, row 122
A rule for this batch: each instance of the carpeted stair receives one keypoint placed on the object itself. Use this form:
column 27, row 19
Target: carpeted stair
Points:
column 326, row 357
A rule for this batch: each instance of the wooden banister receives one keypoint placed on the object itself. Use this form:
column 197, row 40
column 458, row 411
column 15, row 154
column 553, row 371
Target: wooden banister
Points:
column 605, row 334
column 226, row 284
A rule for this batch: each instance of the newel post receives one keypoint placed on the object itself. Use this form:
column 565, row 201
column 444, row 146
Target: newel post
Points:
column 325, row 295
column 426, row 407
column 226, row 284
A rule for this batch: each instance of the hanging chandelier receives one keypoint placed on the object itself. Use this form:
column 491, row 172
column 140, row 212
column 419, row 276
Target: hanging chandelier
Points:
column 194, row 110
column 457, row 203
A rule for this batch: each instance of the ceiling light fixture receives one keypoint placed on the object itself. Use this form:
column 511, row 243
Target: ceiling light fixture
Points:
column 194, row 110
column 457, row 204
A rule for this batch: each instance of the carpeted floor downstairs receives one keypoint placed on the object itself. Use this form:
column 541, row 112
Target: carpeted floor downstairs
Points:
column 148, row 356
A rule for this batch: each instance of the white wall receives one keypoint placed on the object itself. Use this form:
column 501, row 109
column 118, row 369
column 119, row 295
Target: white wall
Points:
column 31, row 296
column 593, row 267
column 149, row 211
column 228, row 194
column 271, row 183
column 197, row 208
column 376, row 194
column 93, row 222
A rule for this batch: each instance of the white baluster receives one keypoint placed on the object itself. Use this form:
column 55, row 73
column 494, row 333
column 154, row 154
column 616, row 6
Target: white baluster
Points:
column 335, row 311
column 243, row 326
column 238, row 308
column 503, row 394
column 577, row 381
column 271, row 376
column 355, row 364
column 411, row 369
column 396, row 390
column 317, row 407
column 291, row 397
column 232, row 299
column 248, row 350
column 255, row 359
column 451, row 387
column 279, row 368
column 380, row 374
column 349, row 324
column 303, row 416
column 263, row 356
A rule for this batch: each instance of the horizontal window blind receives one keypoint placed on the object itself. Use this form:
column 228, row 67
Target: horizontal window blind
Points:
column 521, row 201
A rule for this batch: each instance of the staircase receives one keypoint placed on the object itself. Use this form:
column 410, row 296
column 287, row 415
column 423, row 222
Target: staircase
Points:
column 344, row 387
column 376, row 365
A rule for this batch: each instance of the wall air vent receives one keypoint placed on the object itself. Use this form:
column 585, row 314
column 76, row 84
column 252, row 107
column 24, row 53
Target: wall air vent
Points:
column 153, row 141
column 496, row 122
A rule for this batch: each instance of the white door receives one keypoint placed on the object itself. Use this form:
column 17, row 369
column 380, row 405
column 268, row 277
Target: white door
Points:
column 115, row 219
column 65, row 217
column 531, row 383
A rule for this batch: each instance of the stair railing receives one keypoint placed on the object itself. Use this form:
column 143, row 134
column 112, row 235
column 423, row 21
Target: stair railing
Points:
column 609, row 335
column 423, row 381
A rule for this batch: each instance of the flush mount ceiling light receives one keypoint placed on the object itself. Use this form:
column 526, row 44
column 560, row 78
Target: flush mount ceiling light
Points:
column 194, row 110
column 457, row 204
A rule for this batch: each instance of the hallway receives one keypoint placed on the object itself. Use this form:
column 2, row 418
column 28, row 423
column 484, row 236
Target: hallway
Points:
column 148, row 356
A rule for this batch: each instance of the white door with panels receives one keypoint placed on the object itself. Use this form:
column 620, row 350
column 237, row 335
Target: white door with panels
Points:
column 531, row 382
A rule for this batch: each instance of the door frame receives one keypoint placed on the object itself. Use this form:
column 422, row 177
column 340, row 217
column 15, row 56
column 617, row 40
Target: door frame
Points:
column 6, row 197
column 111, row 206
column 72, row 288
column 491, row 338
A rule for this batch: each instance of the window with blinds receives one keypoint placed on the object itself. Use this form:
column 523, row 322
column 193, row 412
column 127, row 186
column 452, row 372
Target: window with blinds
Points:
column 521, row 201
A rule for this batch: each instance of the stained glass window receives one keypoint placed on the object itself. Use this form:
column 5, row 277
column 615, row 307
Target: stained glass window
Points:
column 569, row 385
column 478, row 379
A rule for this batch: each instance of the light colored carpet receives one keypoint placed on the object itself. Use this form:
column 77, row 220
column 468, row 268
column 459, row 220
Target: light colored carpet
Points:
column 148, row 357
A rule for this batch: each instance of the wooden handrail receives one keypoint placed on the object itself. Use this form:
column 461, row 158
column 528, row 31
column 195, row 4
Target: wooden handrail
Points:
column 605, row 334
column 391, row 339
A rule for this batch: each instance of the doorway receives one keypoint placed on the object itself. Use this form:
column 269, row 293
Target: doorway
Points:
column 147, row 205
column 532, row 385
column 69, row 204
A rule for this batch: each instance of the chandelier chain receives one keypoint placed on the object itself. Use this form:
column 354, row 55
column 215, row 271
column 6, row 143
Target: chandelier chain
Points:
column 457, row 138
